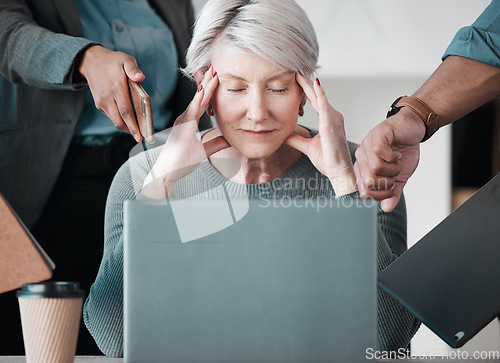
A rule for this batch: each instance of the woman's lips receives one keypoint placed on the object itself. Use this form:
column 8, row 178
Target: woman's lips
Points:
column 257, row 133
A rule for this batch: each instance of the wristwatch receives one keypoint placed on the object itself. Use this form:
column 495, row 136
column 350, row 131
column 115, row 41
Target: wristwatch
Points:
column 430, row 119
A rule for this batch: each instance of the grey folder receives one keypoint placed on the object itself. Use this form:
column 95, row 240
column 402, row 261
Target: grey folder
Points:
column 450, row 279
column 289, row 283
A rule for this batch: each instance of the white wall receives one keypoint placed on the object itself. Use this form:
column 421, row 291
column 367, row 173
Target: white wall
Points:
column 387, row 37
column 372, row 51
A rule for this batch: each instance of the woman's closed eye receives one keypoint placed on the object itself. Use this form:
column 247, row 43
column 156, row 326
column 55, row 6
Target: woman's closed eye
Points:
column 240, row 90
column 279, row 91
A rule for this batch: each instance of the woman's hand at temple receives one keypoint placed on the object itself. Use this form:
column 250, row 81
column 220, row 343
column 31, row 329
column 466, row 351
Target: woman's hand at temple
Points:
column 328, row 150
column 183, row 151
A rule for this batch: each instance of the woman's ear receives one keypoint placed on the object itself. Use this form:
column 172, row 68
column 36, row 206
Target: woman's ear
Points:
column 303, row 99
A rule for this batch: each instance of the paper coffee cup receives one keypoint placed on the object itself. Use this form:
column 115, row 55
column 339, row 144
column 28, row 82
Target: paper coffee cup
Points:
column 50, row 317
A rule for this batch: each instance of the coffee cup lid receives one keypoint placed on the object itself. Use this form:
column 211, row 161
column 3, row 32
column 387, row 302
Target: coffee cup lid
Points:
column 55, row 289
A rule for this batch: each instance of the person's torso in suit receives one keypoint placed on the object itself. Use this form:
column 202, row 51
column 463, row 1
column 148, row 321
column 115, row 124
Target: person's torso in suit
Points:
column 40, row 108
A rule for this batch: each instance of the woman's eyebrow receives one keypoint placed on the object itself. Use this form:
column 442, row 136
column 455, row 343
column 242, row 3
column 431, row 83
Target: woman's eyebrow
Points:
column 281, row 75
column 273, row 78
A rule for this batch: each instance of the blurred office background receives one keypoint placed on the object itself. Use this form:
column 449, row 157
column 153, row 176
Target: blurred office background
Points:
column 373, row 51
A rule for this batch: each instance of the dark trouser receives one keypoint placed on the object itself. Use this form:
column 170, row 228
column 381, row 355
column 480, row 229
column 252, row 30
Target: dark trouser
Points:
column 71, row 231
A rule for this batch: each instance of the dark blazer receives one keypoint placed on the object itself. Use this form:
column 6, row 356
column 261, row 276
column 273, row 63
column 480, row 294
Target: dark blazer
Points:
column 39, row 105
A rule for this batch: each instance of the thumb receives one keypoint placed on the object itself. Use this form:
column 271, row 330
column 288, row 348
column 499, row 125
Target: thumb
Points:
column 132, row 70
column 380, row 140
column 389, row 204
column 297, row 142
column 215, row 145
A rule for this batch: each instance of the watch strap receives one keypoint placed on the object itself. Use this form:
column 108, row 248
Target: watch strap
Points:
column 430, row 119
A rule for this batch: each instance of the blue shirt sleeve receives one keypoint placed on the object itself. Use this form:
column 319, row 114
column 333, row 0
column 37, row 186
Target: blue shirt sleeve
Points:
column 481, row 40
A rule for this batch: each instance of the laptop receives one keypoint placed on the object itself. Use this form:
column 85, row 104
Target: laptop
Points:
column 450, row 278
column 293, row 282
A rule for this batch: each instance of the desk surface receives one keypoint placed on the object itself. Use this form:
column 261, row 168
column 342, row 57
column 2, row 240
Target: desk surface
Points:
column 102, row 359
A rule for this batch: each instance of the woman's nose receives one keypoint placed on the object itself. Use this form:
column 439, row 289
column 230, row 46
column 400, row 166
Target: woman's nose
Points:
column 257, row 109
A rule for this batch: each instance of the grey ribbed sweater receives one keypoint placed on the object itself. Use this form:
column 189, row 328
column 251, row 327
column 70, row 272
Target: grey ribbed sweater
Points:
column 103, row 309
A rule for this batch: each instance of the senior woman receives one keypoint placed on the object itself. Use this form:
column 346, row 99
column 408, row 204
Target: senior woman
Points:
column 252, row 60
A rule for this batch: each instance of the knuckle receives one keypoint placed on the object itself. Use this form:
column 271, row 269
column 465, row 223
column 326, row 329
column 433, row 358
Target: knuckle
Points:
column 129, row 61
column 359, row 155
column 338, row 114
column 119, row 125
column 368, row 182
column 379, row 149
column 380, row 167
column 128, row 58
column 99, row 105
column 124, row 113
column 375, row 167
column 381, row 184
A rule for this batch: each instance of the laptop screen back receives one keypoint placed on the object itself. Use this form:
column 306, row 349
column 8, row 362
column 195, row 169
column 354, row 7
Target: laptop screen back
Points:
column 288, row 283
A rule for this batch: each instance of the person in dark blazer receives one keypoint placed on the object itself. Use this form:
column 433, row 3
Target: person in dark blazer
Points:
column 55, row 81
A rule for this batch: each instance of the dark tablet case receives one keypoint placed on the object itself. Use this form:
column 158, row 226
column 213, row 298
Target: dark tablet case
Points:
column 450, row 279
column 22, row 260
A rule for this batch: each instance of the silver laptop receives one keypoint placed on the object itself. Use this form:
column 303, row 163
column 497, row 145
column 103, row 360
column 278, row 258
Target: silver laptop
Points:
column 249, row 281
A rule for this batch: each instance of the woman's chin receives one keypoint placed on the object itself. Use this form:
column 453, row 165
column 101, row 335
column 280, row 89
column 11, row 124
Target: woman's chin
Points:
column 257, row 151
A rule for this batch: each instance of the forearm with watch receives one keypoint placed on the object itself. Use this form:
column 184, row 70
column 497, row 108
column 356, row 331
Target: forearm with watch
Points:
column 458, row 86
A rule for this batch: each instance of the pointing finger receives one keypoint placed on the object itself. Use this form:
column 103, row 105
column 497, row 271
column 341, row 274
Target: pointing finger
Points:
column 126, row 112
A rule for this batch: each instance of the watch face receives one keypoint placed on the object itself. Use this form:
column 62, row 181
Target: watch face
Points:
column 393, row 109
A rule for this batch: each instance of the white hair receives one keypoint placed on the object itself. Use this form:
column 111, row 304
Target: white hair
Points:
column 278, row 31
